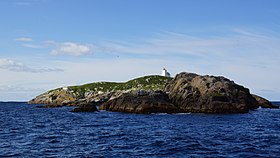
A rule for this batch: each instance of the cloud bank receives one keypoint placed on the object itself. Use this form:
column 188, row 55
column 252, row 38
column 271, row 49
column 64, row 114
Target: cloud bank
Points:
column 11, row 65
column 238, row 45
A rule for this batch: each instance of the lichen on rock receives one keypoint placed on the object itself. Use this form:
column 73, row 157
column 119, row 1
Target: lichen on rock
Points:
column 209, row 94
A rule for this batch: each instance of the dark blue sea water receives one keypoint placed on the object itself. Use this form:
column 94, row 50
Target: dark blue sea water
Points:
column 26, row 131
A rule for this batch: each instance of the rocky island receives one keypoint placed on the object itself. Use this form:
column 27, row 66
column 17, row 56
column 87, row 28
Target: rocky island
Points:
column 186, row 92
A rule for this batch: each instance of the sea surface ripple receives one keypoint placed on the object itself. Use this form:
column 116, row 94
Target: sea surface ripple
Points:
column 27, row 131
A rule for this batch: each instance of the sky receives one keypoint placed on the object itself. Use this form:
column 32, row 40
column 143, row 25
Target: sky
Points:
column 46, row 44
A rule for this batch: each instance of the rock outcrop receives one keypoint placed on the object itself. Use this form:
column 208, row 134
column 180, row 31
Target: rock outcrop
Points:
column 264, row 103
column 141, row 102
column 209, row 94
column 55, row 98
column 98, row 92
column 86, row 107
column 187, row 92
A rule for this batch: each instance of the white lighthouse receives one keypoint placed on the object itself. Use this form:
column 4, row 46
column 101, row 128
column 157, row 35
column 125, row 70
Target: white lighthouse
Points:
column 165, row 73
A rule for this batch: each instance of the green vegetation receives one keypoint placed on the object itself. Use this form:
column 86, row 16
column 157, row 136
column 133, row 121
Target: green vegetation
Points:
column 154, row 82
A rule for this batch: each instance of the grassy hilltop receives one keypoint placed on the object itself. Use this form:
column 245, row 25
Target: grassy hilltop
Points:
column 154, row 82
column 60, row 96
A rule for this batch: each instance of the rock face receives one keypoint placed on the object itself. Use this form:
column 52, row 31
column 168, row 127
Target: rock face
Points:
column 85, row 107
column 60, row 97
column 264, row 103
column 55, row 98
column 209, row 94
column 141, row 102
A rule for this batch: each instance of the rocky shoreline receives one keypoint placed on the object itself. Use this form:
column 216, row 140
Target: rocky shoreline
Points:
column 186, row 92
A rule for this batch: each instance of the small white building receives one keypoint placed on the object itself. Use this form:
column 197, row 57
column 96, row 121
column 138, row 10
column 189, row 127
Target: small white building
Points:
column 65, row 88
column 165, row 73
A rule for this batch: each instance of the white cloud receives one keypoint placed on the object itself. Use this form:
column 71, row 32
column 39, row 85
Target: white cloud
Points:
column 11, row 65
column 17, row 88
column 170, row 42
column 72, row 49
column 18, row 92
column 32, row 46
column 24, row 39
column 237, row 46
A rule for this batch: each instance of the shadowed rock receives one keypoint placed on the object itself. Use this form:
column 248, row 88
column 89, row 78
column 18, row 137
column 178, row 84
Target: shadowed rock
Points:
column 262, row 102
column 85, row 107
column 141, row 102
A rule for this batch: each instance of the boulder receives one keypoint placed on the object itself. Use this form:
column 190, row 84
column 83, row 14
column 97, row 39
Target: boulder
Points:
column 209, row 94
column 264, row 103
column 85, row 107
column 140, row 102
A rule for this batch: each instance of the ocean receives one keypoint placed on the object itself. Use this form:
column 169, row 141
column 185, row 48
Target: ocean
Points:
column 27, row 131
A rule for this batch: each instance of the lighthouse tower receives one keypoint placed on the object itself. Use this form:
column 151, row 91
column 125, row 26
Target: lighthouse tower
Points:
column 165, row 73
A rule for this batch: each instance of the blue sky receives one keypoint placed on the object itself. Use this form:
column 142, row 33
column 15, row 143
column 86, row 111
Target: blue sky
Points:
column 45, row 44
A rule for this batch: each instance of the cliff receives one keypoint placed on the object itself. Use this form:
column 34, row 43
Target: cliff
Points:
column 209, row 94
column 189, row 92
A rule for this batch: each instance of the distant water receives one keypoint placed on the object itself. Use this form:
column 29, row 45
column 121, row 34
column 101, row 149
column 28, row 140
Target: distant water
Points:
column 26, row 131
